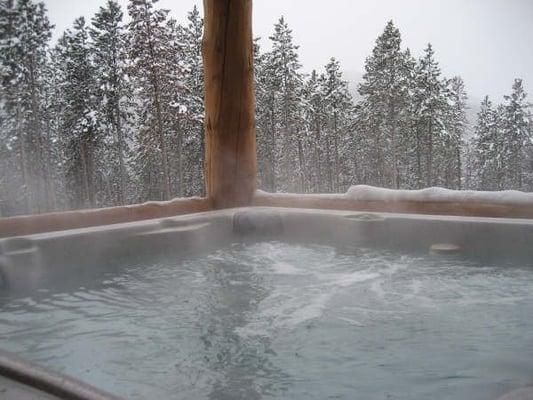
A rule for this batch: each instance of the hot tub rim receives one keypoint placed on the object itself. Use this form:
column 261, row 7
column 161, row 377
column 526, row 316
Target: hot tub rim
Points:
column 34, row 376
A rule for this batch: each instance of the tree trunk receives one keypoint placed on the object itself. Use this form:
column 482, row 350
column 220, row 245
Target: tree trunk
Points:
column 328, row 164
column 36, row 148
column 429, row 178
column 23, row 163
column 84, row 176
column 301, row 163
column 459, row 166
column 180, row 158
column 230, row 155
column 272, row 150
column 51, row 186
column 318, row 160
column 336, row 149
column 161, row 140
column 394, row 140
column 121, row 164
column 418, row 159
column 117, row 117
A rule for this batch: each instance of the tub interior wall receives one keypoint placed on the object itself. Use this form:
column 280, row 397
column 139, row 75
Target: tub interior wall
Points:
column 70, row 257
column 489, row 238
column 42, row 259
column 232, row 293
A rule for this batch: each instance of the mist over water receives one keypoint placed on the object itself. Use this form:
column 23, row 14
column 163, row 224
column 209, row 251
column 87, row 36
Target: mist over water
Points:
column 272, row 320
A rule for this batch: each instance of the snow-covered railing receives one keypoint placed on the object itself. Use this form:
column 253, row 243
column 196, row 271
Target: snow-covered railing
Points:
column 435, row 200
column 438, row 201
column 29, row 224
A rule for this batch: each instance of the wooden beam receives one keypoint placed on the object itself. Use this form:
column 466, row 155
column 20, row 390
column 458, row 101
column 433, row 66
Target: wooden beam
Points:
column 58, row 221
column 328, row 202
column 230, row 155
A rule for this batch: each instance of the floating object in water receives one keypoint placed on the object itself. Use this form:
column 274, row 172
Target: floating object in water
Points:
column 444, row 248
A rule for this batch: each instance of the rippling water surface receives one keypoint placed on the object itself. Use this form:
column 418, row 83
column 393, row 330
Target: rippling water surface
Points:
column 274, row 321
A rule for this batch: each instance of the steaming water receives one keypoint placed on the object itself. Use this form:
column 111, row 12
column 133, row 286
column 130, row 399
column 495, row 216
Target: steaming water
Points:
column 275, row 321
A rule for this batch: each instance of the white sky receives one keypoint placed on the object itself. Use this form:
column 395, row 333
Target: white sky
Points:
column 487, row 42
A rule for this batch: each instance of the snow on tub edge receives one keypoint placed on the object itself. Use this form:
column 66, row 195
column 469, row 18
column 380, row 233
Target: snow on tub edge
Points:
column 432, row 194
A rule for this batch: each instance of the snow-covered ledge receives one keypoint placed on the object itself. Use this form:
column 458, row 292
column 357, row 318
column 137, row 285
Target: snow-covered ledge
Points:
column 435, row 200
column 370, row 193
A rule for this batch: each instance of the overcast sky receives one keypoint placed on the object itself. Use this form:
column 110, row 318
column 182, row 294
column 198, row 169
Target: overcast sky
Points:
column 487, row 42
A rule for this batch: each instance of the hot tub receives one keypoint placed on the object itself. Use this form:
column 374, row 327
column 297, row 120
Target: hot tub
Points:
column 277, row 303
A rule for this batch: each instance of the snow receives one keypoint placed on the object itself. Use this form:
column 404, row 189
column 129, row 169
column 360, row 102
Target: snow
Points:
column 438, row 194
column 161, row 203
column 323, row 196
column 432, row 194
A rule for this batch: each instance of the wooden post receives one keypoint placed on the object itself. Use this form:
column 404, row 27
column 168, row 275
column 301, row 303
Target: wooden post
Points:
column 230, row 155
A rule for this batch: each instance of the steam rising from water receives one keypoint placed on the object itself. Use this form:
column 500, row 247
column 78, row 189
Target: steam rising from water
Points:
column 274, row 320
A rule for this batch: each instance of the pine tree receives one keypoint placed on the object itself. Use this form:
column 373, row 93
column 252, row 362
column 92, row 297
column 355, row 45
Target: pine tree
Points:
column 338, row 102
column 488, row 147
column 149, row 40
column 53, row 108
column 114, row 113
column 79, row 125
column 517, row 136
column 502, row 143
column 192, row 106
column 263, row 112
column 430, row 118
column 315, row 116
column 383, row 110
column 284, row 91
column 24, row 35
column 456, row 126
column 113, row 97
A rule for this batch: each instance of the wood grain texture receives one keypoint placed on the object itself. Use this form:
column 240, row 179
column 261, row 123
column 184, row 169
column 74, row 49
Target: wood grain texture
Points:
column 472, row 209
column 230, row 158
column 30, row 224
